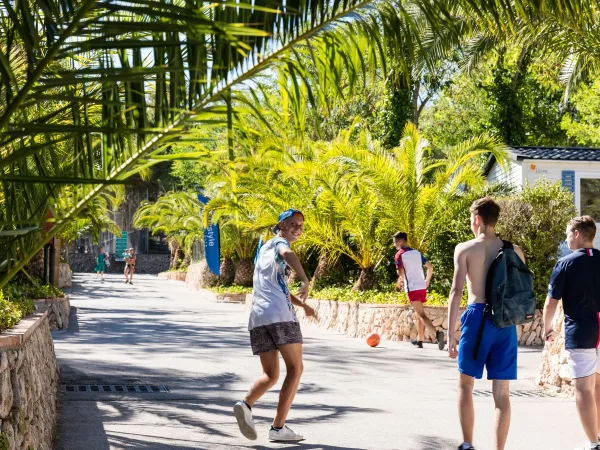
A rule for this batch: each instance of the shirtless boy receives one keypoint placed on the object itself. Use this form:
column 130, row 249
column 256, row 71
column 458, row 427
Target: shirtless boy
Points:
column 498, row 350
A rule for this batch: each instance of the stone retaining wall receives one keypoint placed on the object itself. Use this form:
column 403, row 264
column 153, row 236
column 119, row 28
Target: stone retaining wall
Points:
column 65, row 276
column 178, row 275
column 554, row 371
column 153, row 264
column 199, row 276
column 394, row 322
column 59, row 310
column 28, row 385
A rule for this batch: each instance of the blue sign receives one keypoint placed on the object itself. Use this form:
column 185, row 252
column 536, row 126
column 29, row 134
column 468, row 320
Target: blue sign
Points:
column 260, row 243
column 212, row 249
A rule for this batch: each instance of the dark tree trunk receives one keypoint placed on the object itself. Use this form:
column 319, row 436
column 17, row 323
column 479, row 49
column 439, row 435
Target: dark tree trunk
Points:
column 367, row 280
column 244, row 272
column 324, row 270
column 227, row 272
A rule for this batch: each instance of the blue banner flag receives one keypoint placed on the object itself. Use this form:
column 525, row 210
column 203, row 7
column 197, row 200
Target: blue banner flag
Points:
column 260, row 243
column 212, row 249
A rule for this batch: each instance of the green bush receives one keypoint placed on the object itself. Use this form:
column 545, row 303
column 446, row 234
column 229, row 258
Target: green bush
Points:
column 10, row 313
column 23, row 288
column 536, row 220
column 388, row 296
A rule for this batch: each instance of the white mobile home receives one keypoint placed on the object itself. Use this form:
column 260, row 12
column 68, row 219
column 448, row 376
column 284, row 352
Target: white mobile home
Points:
column 578, row 169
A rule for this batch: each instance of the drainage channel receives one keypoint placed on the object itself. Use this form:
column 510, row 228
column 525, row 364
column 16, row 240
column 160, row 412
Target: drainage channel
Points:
column 516, row 393
column 115, row 388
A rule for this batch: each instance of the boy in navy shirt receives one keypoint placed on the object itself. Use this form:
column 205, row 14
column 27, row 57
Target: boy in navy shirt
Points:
column 569, row 281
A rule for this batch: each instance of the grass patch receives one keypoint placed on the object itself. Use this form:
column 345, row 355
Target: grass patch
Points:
column 233, row 289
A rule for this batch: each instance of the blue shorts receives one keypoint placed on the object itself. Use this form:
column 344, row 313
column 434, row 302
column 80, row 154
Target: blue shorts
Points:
column 498, row 349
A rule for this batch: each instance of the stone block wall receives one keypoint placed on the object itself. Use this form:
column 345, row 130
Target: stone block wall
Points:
column 65, row 275
column 58, row 310
column 554, row 371
column 393, row 322
column 153, row 264
column 199, row 276
column 28, row 385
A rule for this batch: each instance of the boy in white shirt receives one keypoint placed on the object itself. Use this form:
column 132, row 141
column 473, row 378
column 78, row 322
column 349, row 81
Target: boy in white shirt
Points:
column 274, row 328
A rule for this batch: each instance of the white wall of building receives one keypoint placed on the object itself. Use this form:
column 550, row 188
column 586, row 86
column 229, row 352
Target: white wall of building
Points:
column 511, row 175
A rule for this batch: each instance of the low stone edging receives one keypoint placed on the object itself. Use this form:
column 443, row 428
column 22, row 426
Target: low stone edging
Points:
column 393, row 322
column 59, row 310
column 177, row 275
column 28, row 385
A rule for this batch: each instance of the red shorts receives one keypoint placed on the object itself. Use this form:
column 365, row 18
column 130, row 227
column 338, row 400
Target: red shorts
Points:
column 417, row 296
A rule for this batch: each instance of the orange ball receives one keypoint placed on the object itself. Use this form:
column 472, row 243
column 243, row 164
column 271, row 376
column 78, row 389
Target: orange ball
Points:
column 373, row 339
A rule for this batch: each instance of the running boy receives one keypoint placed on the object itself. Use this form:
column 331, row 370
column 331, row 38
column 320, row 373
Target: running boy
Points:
column 499, row 346
column 409, row 266
column 572, row 280
column 274, row 328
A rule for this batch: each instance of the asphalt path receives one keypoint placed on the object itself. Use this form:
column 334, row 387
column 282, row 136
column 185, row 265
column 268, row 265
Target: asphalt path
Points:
column 158, row 333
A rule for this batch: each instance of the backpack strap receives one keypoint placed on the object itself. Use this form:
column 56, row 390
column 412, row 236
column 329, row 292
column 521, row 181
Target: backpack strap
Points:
column 507, row 244
column 480, row 333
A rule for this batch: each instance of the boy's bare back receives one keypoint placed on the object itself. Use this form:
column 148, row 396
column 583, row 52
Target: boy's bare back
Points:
column 474, row 259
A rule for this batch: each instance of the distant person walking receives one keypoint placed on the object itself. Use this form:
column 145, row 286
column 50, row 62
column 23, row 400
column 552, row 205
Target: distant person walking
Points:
column 100, row 264
column 130, row 259
column 409, row 266
column 274, row 328
column 498, row 347
column 576, row 280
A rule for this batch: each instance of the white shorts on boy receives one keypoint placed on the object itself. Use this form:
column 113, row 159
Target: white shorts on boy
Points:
column 583, row 362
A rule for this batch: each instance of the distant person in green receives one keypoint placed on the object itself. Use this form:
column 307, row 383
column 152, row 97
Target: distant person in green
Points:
column 100, row 264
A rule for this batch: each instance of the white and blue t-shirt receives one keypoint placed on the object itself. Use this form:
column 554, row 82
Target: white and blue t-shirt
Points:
column 271, row 302
column 412, row 261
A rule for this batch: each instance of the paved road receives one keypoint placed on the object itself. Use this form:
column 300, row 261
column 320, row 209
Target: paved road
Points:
column 351, row 397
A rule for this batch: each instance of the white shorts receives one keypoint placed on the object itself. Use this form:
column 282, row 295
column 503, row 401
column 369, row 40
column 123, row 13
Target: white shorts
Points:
column 583, row 362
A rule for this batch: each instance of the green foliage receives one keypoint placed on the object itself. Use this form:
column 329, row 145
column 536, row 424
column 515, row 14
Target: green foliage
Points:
column 535, row 220
column 233, row 289
column 457, row 230
column 583, row 125
column 10, row 313
column 3, row 439
column 386, row 296
column 178, row 216
column 462, row 110
column 511, row 94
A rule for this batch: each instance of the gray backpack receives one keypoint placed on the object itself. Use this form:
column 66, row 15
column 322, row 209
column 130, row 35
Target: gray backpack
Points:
column 509, row 296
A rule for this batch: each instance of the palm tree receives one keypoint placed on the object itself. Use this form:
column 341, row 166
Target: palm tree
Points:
column 178, row 216
column 93, row 92
column 354, row 193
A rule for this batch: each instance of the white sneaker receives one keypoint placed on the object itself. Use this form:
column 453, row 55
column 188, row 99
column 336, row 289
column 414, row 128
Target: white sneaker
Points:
column 285, row 434
column 588, row 446
column 243, row 416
